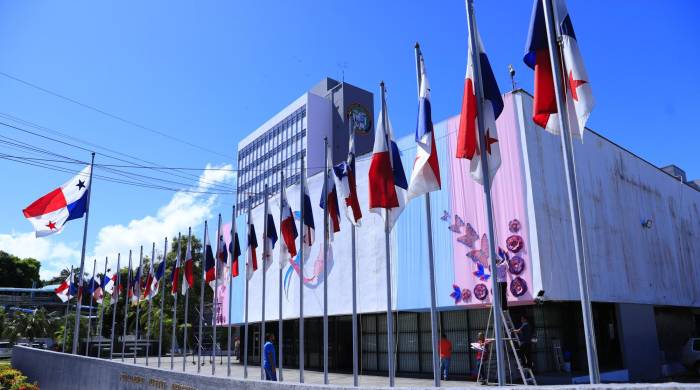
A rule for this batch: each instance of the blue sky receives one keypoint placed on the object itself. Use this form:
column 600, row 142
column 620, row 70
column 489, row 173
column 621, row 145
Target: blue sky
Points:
column 209, row 72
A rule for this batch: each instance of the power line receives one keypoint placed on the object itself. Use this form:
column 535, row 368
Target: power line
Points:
column 110, row 115
column 132, row 164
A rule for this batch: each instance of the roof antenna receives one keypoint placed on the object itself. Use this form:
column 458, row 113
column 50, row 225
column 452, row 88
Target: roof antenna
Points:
column 511, row 71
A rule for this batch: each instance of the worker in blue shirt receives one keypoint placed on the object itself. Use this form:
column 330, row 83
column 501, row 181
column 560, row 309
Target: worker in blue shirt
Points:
column 269, row 360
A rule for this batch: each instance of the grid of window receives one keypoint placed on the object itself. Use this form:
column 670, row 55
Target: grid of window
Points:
column 260, row 162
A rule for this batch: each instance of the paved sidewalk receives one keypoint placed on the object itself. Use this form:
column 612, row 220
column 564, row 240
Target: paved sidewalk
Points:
column 291, row 375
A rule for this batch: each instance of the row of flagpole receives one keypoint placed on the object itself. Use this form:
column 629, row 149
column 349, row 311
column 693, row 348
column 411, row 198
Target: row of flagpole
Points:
column 389, row 191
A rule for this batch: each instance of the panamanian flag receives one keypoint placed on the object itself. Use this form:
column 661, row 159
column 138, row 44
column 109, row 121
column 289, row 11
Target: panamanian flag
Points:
column 467, row 138
column 234, row 247
column 387, row 180
column 288, row 231
column 425, row 176
column 270, row 241
column 308, row 231
column 344, row 176
column 209, row 263
column 252, row 260
column 174, row 275
column 329, row 192
column 49, row 213
column 579, row 97
column 188, row 268
column 64, row 289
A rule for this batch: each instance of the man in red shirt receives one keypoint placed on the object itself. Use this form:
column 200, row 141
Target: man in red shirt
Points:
column 445, row 356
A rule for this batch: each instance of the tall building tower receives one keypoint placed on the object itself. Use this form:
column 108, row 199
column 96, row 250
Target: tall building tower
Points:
column 299, row 130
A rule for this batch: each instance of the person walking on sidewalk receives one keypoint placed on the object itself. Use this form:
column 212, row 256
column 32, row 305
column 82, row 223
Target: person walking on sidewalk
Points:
column 445, row 356
column 269, row 360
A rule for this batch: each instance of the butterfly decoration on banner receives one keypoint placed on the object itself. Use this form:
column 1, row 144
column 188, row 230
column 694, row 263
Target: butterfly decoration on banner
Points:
column 470, row 236
column 481, row 255
column 460, row 294
column 457, row 226
column 480, row 273
column 445, row 216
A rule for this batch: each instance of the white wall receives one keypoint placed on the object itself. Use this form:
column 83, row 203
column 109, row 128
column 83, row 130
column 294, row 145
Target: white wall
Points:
column 626, row 262
column 318, row 126
column 370, row 262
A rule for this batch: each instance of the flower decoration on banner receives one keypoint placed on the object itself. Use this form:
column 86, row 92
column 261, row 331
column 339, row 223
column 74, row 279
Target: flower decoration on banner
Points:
column 445, row 216
column 515, row 243
column 481, row 292
column 518, row 286
column 514, row 225
column 460, row 294
column 516, row 265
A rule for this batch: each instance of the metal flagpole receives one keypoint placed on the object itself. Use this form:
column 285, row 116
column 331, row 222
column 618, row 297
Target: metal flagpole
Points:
column 245, row 335
column 102, row 312
column 554, row 41
column 232, row 249
column 431, row 260
column 387, row 237
column 174, row 331
column 201, row 297
column 264, row 277
column 76, row 329
column 187, row 298
column 280, row 321
column 92, row 297
column 215, row 299
column 325, row 263
column 301, row 272
column 65, row 326
column 497, row 318
column 162, row 301
column 137, row 295
column 355, row 379
column 126, row 305
column 150, row 303
column 115, row 295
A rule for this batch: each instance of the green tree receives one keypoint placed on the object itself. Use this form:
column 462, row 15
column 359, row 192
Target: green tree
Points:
column 31, row 325
column 107, row 308
column 16, row 272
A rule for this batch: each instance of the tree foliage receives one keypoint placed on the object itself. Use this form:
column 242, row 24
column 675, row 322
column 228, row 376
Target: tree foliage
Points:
column 16, row 272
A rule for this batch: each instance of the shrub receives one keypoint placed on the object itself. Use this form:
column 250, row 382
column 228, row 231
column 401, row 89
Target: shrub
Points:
column 10, row 377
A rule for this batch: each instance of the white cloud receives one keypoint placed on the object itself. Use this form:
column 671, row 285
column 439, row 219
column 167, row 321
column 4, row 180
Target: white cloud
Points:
column 54, row 256
column 184, row 209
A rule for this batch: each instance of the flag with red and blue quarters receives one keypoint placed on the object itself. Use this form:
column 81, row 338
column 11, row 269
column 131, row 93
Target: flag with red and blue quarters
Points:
column 271, row 237
column 330, row 193
column 158, row 276
column 288, row 230
column 135, row 292
column 425, row 176
column 149, row 281
column 387, row 180
column 252, row 260
column 221, row 260
column 308, row 230
column 49, row 213
column 344, row 175
column 107, row 283
column 175, row 274
column 235, row 250
column 63, row 291
column 188, row 269
column 467, row 138
column 209, row 262
column 579, row 96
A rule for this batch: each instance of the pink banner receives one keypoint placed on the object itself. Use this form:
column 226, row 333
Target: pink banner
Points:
column 467, row 218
